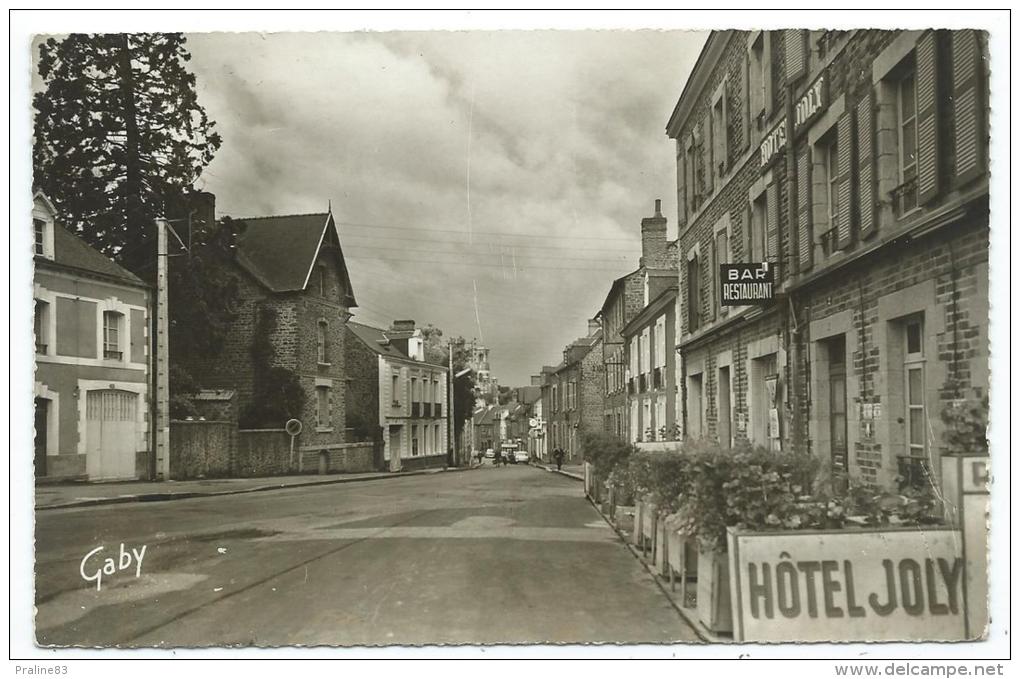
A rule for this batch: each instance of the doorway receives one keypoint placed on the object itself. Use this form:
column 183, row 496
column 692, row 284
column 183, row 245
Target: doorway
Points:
column 837, row 406
column 42, row 406
column 725, row 409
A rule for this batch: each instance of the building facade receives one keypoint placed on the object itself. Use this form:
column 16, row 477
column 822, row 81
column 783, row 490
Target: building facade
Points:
column 294, row 300
column 649, row 339
column 408, row 395
column 627, row 296
column 575, row 390
column 92, row 377
column 852, row 167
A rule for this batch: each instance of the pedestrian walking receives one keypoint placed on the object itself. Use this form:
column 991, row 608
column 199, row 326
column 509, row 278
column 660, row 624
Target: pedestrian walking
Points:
column 558, row 457
column 499, row 458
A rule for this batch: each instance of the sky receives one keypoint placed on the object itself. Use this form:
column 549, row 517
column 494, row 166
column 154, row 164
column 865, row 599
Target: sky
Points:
column 491, row 183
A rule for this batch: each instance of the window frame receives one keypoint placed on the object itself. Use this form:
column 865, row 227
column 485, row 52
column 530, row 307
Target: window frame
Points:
column 322, row 342
column 908, row 72
column 113, row 324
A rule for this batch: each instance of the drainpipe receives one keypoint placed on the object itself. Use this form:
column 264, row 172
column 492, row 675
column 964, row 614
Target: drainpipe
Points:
column 793, row 339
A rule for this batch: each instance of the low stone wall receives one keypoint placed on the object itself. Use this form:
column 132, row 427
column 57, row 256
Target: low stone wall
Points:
column 263, row 452
column 339, row 458
column 410, row 464
column 200, row 449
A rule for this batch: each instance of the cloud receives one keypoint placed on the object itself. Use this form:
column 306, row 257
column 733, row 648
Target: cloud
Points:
column 518, row 164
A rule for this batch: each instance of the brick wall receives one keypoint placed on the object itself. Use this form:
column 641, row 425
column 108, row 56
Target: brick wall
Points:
column 591, row 378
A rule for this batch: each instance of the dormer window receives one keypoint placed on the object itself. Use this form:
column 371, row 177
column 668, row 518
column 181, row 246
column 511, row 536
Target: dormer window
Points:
column 42, row 227
column 40, row 236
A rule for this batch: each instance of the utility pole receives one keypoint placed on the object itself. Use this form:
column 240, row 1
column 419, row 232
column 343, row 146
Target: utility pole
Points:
column 162, row 356
column 449, row 410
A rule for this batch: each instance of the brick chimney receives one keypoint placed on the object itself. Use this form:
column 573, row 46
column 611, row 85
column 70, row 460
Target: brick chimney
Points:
column 537, row 380
column 594, row 325
column 653, row 240
column 402, row 326
column 203, row 208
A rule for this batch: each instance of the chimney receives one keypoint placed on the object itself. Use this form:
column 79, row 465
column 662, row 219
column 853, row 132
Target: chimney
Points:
column 653, row 240
column 594, row 325
column 536, row 380
column 402, row 326
column 203, row 210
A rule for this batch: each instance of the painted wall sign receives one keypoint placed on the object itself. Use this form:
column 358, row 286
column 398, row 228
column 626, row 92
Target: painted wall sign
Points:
column 743, row 284
column 805, row 111
column 859, row 585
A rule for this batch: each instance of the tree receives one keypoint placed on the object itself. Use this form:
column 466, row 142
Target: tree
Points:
column 437, row 352
column 120, row 139
column 119, row 133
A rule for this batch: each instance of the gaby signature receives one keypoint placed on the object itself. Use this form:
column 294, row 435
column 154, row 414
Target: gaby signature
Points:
column 93, row 570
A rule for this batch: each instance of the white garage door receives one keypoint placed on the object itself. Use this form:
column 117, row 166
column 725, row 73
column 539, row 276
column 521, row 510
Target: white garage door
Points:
column 111, row 430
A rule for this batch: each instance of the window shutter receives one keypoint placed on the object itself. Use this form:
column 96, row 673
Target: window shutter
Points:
column 968, row 105
column 745, row 225
column 927, row 118
column 713, row 276
column 681, row 197
column 745, row 93
column 844, row 141
column 795, row 41
column 805, row 237
column 867, row 218
column 772, row 227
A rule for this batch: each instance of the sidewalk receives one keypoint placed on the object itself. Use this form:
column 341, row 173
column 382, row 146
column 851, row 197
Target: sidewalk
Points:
column 88, row 494
column 574, row 471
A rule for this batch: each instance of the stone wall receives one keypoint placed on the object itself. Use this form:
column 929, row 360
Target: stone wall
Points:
column 201, row 449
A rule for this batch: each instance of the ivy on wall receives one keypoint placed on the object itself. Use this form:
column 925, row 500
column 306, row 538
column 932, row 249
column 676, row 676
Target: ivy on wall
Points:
column 277, row 394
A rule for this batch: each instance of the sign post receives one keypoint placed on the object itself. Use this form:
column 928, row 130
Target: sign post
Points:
column 293, row 427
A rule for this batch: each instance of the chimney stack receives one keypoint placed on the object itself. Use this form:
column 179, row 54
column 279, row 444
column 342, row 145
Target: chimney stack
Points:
column 402, row 326
column 653, row 240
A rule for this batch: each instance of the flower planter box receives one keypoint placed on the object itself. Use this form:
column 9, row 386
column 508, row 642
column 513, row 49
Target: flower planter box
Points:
column 649, row 514
column 714, row 605
column 623, row 517
column 855, row 584
column 681, row 561
column 660, row 555
column 635, row 535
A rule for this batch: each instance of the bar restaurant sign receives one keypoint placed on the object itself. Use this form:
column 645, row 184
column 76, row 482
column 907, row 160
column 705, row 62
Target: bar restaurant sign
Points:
column 744, row 284
column 849, row 585
column 805, row 111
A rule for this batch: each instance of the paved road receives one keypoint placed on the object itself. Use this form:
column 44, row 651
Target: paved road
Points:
column 492, row 555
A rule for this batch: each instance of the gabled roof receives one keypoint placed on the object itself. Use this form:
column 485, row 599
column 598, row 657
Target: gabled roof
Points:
column 661, row 303
column 280, row 252
column 71, row 252
column 378, row 341
column 486, row 415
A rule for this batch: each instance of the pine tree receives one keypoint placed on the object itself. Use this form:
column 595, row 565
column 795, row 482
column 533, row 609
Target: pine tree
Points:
column 119, row 134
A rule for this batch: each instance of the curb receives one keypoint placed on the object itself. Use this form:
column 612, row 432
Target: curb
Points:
column 188, row 495
column 692, row 622
column 557, row 471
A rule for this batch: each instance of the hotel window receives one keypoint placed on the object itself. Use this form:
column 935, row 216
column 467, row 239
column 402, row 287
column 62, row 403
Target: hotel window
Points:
column 906, row 129
column 759, row 229
column 42, row 317
column 322, row 406
column 913, row 368
column 693, row 294
column 322, row 342
column 112, row 322
column 40, row 236
column 720, row 147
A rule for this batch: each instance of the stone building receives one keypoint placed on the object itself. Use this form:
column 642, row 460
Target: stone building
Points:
column 395, row 397
column 852, row 167
column 627, row 295
column 92, row 376
column 294, row 300
column 575, row 393
column 650, row 354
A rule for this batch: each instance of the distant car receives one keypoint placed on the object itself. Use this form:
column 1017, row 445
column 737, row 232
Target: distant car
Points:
column 522, row 456
column 490, row 453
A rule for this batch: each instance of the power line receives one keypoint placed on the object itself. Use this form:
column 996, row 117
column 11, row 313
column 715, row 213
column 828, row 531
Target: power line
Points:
column 484, row 254
column 366, row 225
column 476, row 242
column 500, row 267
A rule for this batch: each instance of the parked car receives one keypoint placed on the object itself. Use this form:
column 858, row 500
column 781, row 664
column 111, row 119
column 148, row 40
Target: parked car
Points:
column 522, row 456
column 490, row 453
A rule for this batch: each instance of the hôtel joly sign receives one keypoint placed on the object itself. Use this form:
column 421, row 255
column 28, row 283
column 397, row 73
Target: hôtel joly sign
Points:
column 851, row 585
column 808, row 107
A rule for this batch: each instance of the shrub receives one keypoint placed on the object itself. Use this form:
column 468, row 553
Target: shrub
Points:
column 605, row 453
